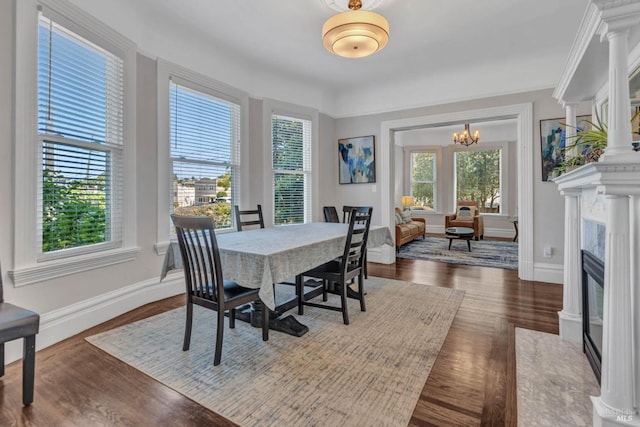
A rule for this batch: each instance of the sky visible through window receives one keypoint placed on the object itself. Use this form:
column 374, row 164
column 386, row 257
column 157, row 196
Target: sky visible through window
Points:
column 201, row 131
column 71, row 99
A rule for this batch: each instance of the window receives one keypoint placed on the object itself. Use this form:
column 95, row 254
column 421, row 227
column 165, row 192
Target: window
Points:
column 423, row 179
column 81, row 143
column 478, row 177
column 75, row 152
column 204, row 148
column 291, row 168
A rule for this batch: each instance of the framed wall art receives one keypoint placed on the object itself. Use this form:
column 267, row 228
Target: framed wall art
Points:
column 357, row 160
column 553, row 140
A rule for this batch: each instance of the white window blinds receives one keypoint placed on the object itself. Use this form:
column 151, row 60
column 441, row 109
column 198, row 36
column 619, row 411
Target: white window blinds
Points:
column 80, row 128
column 291, row 154
column 204, row 153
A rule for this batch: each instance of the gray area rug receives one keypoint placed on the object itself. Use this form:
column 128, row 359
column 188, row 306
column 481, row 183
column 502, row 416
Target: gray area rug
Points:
column 554, row 380
column 370, row 372
column 484, row 253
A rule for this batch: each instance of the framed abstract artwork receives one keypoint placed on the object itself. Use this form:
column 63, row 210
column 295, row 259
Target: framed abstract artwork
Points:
column 553, row 140
column 357, row 160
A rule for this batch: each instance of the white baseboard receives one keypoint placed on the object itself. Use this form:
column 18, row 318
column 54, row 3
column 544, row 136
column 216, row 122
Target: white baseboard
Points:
column 550, row 273
column 63, row 323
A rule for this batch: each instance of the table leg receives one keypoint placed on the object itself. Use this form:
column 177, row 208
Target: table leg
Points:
column 450, row 240
column 515, row 225
column 252, row 313
column 469, row 244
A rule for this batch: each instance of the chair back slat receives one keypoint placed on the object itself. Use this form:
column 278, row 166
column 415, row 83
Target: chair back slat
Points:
column 356, row 243
column 330, row 214
column 200, row 256
column 255, row 215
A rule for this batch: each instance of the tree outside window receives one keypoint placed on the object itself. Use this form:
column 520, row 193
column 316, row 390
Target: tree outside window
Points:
column 423, row 179
column 478, row 178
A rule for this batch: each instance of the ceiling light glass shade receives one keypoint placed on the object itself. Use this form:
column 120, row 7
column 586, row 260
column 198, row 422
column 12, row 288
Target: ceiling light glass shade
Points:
column 355, row 33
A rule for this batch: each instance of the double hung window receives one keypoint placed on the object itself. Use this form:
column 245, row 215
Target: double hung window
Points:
column 423, row 179
column 478, row 177
column 291, row 169
column 80, row 120
column 204, row 153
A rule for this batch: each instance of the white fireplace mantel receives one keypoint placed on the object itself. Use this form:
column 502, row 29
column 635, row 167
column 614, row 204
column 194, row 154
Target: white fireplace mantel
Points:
column 608, row 178
column 604, row 54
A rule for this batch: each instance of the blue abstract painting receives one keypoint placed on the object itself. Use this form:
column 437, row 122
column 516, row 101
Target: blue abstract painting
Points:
column 356, row 157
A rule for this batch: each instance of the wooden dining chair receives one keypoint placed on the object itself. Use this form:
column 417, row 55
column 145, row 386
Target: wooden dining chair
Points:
column 346, row 213
column 17, row 322
column 205, row 285
column 337, row 275
column 330, row 214
column 249, row 218
column 346, row 217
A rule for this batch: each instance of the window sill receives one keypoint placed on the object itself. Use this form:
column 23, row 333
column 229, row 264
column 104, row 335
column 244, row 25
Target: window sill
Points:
column 64, row 267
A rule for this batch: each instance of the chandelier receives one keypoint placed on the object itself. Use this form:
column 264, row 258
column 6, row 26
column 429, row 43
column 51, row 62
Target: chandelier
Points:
column 465, row 137
column 355, row 33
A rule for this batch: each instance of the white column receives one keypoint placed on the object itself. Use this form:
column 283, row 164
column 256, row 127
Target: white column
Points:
column 635, row 288
column 616, row 406
column 570, row 318
column 572, row 123
column 619, row 122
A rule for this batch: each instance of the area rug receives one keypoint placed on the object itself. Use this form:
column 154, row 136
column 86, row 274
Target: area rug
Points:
column 484, row 253
column 370, row 372
column 554, row 381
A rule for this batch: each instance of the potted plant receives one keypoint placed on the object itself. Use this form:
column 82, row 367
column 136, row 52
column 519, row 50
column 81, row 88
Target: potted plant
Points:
column 589, row 144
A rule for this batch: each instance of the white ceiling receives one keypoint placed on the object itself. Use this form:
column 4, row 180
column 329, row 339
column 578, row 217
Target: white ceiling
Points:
column 501, row 45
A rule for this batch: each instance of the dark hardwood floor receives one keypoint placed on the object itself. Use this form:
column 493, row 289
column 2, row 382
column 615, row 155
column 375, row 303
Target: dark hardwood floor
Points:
column 471, row 383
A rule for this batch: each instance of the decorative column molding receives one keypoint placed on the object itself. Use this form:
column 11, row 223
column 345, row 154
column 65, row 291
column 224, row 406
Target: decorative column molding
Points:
column 572, row 123
column 635, row 290
column 570, row 317
column 616, row 404
column 619, row 122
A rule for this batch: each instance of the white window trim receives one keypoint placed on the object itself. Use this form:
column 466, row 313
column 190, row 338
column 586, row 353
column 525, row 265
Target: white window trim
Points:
column 26, row 268
column 504, row 173
column 437, row 190
column 270, row 107
column 165, row 71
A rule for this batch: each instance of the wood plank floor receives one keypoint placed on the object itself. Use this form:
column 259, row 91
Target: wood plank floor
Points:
column 470, row 384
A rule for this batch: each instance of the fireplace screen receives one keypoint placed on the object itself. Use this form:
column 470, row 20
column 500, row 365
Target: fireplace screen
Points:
column 592, row 308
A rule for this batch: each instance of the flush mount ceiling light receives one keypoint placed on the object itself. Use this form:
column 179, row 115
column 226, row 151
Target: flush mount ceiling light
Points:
column 355, row 33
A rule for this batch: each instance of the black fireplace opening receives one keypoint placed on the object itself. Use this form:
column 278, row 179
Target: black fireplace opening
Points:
column 592, row 309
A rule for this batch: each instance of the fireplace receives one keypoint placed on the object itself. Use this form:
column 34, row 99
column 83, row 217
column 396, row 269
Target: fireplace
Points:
column 592, row 309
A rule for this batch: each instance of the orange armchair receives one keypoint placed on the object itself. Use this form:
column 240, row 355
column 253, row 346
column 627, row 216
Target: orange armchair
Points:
column 457, row 220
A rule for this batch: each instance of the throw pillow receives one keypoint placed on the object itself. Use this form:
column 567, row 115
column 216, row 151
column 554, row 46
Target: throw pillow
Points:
column 465, row 213
column 406, row 216
column 398, row 219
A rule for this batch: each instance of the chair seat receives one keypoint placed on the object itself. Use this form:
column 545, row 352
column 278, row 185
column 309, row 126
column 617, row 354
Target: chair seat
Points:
column 17, row 322
column 234, row 291
column 330, row 271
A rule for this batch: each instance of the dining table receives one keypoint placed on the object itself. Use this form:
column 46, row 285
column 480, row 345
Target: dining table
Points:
column 261, row 257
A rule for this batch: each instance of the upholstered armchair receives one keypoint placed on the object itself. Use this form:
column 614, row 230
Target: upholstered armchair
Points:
column 467, row 215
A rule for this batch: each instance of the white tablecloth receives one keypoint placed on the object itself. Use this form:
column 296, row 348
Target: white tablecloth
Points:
column 258, row 258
